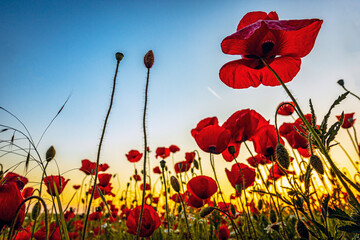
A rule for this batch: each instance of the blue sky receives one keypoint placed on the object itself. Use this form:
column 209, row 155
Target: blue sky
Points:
column 51, row 49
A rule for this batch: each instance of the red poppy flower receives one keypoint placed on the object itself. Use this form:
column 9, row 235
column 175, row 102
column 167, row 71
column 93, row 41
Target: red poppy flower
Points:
column 10, row 199
column 194, row 201
column 54, row 233
column 224, row 232
column 107, row 190
column 253, row 209
column 134, row 156
column 182, row 167
column 76, row 187
column 104, row 179
column 189, row 157
column 202, row 187
column 89, row 167
column 59, row 181
column 18, row 179
column 95, row 216
column 174, row 148
column 146, row 188
column 225, row 207
column 243, row 124
column 204, row 123
column 69, row 214
column 27, row 192
column 348, row 120
column 175, row 197
column 258, row 159
column 286, row 109
column 213, row 139
column 157, row 170
column 137, row 177
column 281, row 43
column 265, row 140
column 236, row 177
column 149, row 223
column 162, row 152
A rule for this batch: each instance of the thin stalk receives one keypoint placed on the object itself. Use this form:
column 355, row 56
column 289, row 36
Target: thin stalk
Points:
column 166, row 202
column 145, row 153
column 186, row 220
column 99, row 150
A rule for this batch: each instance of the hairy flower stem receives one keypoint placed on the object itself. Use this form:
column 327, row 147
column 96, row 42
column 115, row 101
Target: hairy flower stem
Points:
column 321, row 146
column 186, row 220
column 350, row 92
column 166, row 201
column 222, row 197
column 99, row 150
column 145, row 154
column 17, row 213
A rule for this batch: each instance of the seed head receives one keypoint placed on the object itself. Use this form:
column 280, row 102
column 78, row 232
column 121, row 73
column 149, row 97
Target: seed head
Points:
column 119, row 56
column 36, row 211
column 50, row 154
column 206, row 211
column 341, row 82
column 175, row 184
column 317, row 164
column 282, row 156
column 231, row 150
column 149, row 59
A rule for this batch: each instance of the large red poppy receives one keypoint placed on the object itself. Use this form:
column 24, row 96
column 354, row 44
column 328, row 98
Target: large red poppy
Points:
column 204, row 123
column 286, row 109
column 276, row 172
column 54, row 232
column 229, row 157
column 213, row 139
column 190, row 156
column 236, row 177
column 281, row 43
column 202, row 187
column 18, row 179
column 194, row 201
column 10, row 199
column 59, row 182
column 265, row 140
column 348, row 120
column 149, row 223
column 104, row 179
column 134, row 156
column 183, row 166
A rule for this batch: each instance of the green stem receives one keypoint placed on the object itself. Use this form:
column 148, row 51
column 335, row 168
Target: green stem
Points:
column 186, row 220
column 166, row 202
column 145, row 154
column 99, row 150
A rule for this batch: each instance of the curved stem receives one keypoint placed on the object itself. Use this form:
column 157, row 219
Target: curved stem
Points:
column 99, row 150
column 145, row 153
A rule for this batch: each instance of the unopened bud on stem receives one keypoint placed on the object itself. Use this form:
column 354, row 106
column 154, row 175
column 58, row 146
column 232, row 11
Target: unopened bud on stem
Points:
column 175, row 184
column 149, row 59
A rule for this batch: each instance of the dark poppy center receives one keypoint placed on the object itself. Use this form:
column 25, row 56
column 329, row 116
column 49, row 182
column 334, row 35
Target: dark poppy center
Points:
column 267, row 47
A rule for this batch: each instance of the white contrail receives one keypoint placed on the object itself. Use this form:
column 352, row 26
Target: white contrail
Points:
column 214, row 93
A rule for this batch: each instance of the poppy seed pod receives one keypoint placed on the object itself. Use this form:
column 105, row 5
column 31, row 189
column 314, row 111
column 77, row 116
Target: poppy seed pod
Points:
column 175, row 184
column 50, row 154
column 149, row 59
column 119, row 56
column 162, row 164
column 232, row 150
column 36, row 211
column 206, row 211
column 341, row 82
column 282, row 156
column 302, row 230
column 317, row 164
column 260, row 204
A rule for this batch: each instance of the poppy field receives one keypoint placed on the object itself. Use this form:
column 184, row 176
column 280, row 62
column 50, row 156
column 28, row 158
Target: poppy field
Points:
column 289, row 186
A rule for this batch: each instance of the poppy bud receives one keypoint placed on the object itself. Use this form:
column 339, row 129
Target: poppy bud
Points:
column 238, row 188
column 149, row 59
column 317, row 164
column 179, row 209
column 162, row 164
column 119, row 56
column 50, row 154
column 128, row 184
column 206, row 211
column 231, row 150
column 260, row 204
column 175, row 184
column 136, row 172
column 341, row 82
column 196, row 164
column 302, row 230
column 273, row 217
column 36, row 211
column 282, row 156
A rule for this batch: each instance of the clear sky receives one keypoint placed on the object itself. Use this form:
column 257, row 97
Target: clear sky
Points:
column 49, row 49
